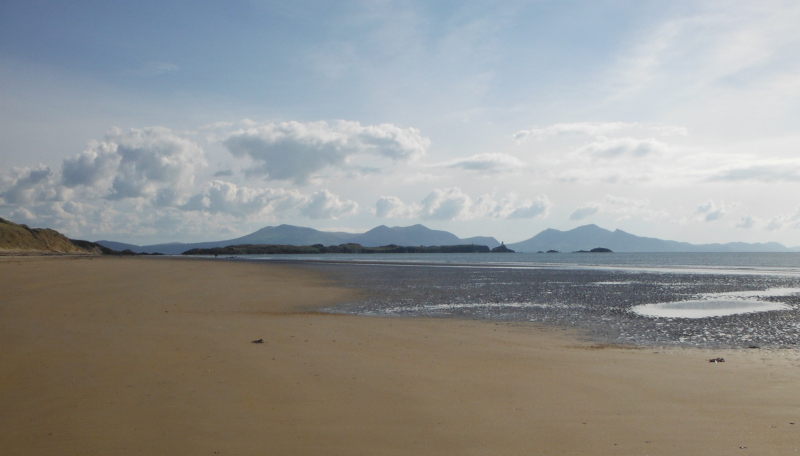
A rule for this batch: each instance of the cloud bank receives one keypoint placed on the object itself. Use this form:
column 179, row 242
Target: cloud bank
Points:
column 454, row 204
column 294, row 151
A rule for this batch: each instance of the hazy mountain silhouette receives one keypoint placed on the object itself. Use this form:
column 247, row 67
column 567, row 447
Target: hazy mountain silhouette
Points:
column 297, row 235
column 584, row 237
column 587, row 237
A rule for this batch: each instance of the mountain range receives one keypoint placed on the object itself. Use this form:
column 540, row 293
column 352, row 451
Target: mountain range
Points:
column 584, row 237
column 587, row 237
column 297, row 235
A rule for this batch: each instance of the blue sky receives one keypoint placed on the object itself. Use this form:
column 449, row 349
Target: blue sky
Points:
column 161, row 121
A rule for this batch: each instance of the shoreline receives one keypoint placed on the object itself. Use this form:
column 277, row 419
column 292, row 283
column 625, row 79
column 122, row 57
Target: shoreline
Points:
column 129, row 355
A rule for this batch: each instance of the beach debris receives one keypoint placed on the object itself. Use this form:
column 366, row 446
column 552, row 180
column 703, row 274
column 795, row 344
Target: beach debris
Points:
column 716, row 360
column 753, row 346
column 259, row 341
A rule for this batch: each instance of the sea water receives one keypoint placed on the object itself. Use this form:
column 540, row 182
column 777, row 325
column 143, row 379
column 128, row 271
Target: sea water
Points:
column 699, row 299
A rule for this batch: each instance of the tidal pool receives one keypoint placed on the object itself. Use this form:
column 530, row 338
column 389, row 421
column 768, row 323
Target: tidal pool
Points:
column 718, row 304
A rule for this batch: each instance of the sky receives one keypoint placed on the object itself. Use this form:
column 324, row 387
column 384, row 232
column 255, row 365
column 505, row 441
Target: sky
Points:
column 149, row 122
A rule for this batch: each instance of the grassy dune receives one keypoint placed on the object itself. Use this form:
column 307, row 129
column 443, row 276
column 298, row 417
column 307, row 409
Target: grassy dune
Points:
column 16, row 238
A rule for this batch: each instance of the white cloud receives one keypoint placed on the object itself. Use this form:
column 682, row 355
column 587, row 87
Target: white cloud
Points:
column 597, row 129
column 488, row 163
column 767, row 173
column 539, row 207
column 454, row 204
column 720, row 57
column 613, row 153
column 616, row 147
column 228, row 198
column 622, row 206
column 108, row 187
column 574, row 128
column 747, row 222
column 295, row 150
column 784, row 221
column 325, row 205
column 447, row 204
column 29, row 185
column 709, row 211
column 153, row 164
column 220, row 197
column 584, row 210
column 97, row 163
column 394, row 207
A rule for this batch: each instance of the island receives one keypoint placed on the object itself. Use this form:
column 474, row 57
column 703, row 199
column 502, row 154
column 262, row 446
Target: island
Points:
column 596, row 250
column 502, row 249
column 273, row 249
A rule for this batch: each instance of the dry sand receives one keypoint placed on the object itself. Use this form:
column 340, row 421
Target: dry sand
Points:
column 119, row 356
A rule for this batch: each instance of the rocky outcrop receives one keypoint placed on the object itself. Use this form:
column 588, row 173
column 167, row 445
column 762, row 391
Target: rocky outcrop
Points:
column 502, row 249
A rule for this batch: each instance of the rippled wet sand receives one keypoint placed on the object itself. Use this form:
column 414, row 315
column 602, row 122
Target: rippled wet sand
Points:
column 598, row 301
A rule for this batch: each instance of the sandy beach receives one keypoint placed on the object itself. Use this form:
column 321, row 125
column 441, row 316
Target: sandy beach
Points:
column 153, row 356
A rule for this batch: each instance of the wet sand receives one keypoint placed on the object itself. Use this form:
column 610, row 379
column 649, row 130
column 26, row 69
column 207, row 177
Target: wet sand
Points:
column 153, row 356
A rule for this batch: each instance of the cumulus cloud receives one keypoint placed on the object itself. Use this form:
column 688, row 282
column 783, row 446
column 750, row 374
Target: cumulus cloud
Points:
column 784, row 221
column 616, row 147
column 394, row 207
column 154, row 163
column 220, row 197
column 489, row 163
column 539, row 207
column 110, row 186
column 295, row 150
column 73, row 218
column 454, row 204
column 140, row 181
column 28, row 185
column 747, row 222
column 92, row 166
column 151, row 163
column 709, row 211
column 446, row 204
column 228, row 198
column 325, row 205
column 584, row 210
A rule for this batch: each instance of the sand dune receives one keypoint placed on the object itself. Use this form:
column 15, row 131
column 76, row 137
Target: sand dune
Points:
column 154, row 356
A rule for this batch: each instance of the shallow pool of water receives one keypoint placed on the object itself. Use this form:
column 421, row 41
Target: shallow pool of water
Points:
column 706, row 308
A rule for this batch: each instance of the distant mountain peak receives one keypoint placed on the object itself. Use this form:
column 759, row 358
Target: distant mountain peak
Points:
column 285, row 234
column 587, row 237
